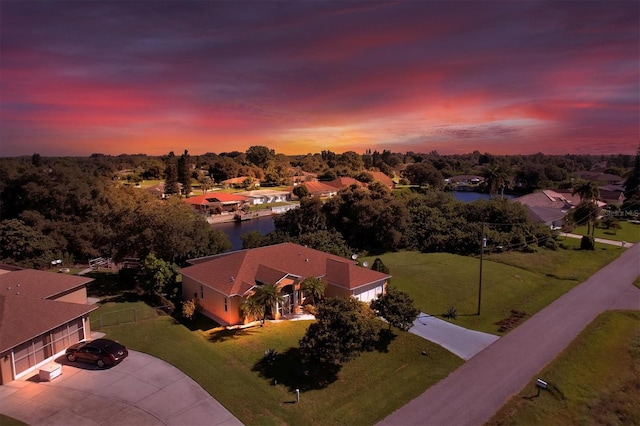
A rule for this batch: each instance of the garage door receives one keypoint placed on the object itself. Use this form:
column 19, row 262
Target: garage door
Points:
column 35, row 351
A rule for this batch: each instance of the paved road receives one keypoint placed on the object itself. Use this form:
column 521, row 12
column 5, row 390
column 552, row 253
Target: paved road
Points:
column 142, row 390
column 475, row 391
column 458, row 340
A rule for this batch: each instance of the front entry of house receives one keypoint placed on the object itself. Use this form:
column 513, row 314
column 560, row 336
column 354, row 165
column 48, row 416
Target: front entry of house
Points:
column 290, row 302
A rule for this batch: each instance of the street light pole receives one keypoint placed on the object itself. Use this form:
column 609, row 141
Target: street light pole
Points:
column 483, row 244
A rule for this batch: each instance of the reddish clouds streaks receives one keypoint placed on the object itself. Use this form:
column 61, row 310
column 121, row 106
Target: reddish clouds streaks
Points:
column 213, row 76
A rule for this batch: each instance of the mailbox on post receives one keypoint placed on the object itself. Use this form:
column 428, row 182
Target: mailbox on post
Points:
column 541, row 384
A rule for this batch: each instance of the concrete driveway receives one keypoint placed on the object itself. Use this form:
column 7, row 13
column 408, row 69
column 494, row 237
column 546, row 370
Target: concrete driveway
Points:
column 142, row 390
column 461, row 341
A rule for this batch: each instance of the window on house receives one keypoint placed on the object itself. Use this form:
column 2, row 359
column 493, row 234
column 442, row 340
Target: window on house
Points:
column 225, row 304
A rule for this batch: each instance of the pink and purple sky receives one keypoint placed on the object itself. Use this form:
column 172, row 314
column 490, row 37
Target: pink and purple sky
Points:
column 137, row 76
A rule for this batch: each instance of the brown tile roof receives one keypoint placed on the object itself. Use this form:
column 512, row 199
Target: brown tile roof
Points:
column 236, row 180
column 236, row 272
column 216, row 197
column 23, row 318
column 383, row 178
column 28, row 308
column 40, row 284
column 549, row 199
column 343, row 182
column 319, row 188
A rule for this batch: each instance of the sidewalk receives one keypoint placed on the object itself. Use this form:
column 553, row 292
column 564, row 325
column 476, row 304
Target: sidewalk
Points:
column 624, row 244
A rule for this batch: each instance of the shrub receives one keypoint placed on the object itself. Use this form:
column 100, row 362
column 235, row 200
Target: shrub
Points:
column 587, row 243
column 189, row 309
column 451, row 313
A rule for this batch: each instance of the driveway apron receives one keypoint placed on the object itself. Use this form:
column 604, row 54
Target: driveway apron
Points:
column 142, row 390
column 458, row 340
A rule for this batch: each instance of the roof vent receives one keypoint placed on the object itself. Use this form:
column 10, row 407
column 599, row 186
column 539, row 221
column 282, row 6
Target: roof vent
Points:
column 306, row 260
column 231, row 279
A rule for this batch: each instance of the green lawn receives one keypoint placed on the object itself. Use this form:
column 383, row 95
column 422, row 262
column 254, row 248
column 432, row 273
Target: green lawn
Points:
column 628, row 232
column 368, row 388
column 10, row 421
column 593, row 382
column 525, row 282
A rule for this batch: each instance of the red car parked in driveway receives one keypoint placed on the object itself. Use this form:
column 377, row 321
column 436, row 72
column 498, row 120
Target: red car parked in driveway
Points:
column 102, row 352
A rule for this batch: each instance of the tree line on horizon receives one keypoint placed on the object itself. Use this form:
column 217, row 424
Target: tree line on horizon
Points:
column 76, row 208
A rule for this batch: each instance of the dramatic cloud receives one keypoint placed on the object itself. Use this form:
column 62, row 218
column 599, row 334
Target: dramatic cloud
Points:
column 213, row 76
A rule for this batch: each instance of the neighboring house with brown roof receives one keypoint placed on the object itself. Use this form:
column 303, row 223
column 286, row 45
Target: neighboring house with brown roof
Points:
column 220, row 283
column 604, row 178
column 41, row 314
column 548, row 207
column 216, row 201
column 612, row 197
column 343, row 182
column 383, row 178
column 320, row 189
column 467, row 179
column 238, row 182
column 266, row 196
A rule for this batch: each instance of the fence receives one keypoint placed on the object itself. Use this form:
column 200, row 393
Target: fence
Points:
column 126, row 316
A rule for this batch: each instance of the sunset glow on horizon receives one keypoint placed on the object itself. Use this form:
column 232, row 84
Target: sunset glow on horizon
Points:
column 150, row 77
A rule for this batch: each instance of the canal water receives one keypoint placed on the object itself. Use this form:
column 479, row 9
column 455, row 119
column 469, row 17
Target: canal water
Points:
column 264, row 225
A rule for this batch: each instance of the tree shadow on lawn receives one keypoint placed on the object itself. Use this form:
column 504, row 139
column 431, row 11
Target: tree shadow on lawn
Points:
column 385, row 337
column 288, row 370
column 198, row 322
column 126, row 296
column 223, row 335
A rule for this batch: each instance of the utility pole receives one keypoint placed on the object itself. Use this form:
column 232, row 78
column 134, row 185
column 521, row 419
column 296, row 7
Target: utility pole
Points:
column 483, row 244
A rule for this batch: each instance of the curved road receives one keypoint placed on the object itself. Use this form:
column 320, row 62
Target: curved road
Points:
column 475, row 391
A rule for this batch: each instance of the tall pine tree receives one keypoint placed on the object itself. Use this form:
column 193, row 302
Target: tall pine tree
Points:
column 184, row 172
column 171, row 175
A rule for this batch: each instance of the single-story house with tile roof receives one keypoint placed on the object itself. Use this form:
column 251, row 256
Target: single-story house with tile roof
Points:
column 612, row 197
column 320, row 189
column 343, row 182
column 266, row 196
column 605, row 178
column 548, row 207
column 220, row 283
column 221, row 201
column 468, row 179
column 383, row 178
column 41, row 314
column 238, row 182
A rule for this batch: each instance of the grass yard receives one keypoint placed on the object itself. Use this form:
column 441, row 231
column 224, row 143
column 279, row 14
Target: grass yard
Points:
column 525, row 282
column 628, row 232
column 593, row 382
column 368, row 388
column 10, row 421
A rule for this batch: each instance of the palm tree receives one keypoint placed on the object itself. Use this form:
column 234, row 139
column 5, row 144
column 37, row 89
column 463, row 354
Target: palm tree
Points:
column 252, row 308
column 267, row 295
column 496, row 176
column 314, row 287
column 587, row 210
column 587, row 190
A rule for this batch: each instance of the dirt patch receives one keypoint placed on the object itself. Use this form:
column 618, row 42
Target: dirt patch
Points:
column 512, row 322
